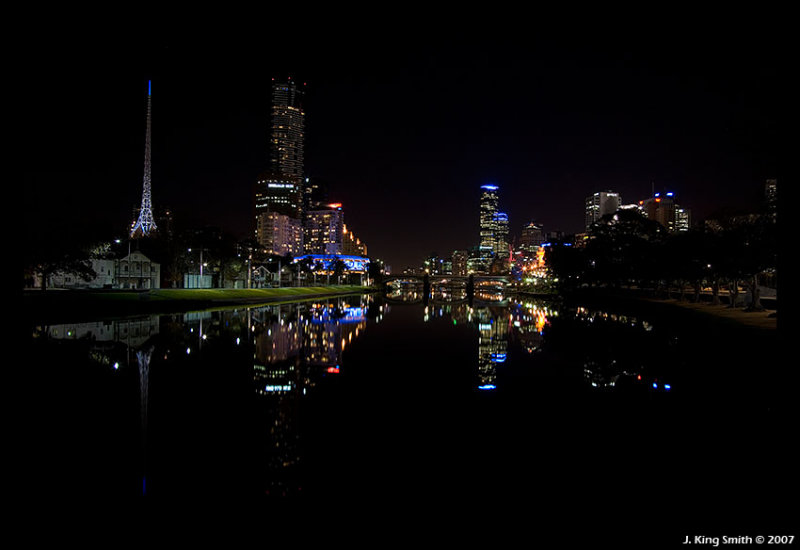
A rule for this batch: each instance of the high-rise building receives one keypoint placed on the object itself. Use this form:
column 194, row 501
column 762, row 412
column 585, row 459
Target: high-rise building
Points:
column 279, row 190
column 501, row 243
column 315, row 193
column 600, row 204
column 275, row 193
column 324, row 230
column 488, row 219
column 279, row 234
column 663, row 209
column 287, row 130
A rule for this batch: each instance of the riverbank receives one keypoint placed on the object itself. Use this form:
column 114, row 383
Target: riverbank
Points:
column 59, row 305
column 766, row 319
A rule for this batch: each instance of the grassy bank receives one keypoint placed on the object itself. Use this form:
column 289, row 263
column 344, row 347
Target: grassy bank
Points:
column 86, row 304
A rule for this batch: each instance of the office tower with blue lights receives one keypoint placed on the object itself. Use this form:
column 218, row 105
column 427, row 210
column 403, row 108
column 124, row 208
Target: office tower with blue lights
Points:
column 494, row 241
column 488, row 220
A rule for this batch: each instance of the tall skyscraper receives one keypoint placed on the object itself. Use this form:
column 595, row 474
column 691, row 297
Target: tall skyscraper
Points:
column 501, row 242
column 145, row 224
column 600, row 204
column 279, row 190
column 287, row 130
column 488, row 219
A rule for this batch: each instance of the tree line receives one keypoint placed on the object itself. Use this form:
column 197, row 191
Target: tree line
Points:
column 625, row 249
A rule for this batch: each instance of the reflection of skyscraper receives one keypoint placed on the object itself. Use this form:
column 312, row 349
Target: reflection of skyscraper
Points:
column 492, row 346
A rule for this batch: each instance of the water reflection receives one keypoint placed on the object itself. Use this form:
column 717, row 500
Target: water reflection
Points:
column 294, row 352
column 295, row 347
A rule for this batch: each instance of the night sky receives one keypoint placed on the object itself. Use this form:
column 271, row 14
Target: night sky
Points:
column 405, row 121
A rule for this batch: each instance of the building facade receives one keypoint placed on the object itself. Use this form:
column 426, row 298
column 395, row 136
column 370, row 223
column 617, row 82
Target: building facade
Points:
column 351, row 244
column 279, row 234
column 599, row 205
column 137, row 271
column 324, row 231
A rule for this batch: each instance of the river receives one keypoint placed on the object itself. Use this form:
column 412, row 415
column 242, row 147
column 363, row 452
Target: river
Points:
column 389, row 398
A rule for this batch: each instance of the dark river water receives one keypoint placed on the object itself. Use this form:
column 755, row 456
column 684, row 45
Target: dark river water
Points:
column 389, row 398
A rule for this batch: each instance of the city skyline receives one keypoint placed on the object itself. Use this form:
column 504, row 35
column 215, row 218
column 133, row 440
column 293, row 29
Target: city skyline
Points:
column 406, row 144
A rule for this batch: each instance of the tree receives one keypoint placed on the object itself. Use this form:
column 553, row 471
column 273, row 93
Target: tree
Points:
column 339, row 269
column 623, row 249
column 49, row 257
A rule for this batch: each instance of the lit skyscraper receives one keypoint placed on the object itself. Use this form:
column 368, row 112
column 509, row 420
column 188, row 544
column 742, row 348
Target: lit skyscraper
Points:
column 600, row 204
column 489, row 211
column 287, row 130
column 279, row 190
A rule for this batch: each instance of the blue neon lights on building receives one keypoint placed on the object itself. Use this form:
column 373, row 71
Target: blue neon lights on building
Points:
column 327, row 261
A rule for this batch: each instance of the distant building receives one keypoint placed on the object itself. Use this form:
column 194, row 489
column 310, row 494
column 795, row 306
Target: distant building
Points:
column 662, row 208
column 501, row 242
column 459, row 263
column 532, row 238
column 488, row 219
column 351, row 244
column 771, row 197
column 600, row 204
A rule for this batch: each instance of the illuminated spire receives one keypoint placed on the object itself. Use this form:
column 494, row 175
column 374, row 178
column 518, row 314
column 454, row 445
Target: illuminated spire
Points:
column 145, row 224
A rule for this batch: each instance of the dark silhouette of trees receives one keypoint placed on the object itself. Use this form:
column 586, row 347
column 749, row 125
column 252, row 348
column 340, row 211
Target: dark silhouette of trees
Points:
column 628, row 249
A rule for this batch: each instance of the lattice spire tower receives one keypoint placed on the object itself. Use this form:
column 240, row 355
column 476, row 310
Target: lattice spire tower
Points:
column 145, row 224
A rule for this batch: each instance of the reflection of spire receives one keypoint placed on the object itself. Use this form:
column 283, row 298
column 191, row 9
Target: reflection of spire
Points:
column 143, row 358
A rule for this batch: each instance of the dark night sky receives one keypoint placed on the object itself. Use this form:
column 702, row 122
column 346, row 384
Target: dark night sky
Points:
column 404, row 120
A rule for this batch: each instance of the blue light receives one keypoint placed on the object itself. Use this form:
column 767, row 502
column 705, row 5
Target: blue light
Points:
column 490, row 187
column 149, row 86
column 487, row 387
column 655, row 385
column 667, row 387
column 498, row 357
